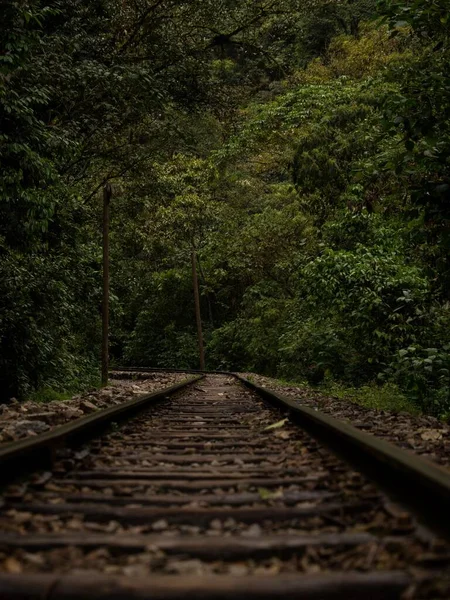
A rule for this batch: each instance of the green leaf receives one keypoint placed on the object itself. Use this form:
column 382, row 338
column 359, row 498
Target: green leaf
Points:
column 276, row 425
column 266, row 494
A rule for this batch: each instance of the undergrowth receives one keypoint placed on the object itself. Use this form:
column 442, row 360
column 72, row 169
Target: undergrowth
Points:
column 385, row 397
column 49, row 394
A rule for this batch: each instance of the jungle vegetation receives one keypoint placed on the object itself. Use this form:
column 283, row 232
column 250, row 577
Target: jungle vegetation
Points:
column 301, row 147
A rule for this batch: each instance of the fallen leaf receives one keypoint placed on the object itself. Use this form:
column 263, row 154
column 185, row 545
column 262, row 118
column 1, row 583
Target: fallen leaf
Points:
column 266, row 494
column 276, row 425
column 283, row 435
column 12, row 565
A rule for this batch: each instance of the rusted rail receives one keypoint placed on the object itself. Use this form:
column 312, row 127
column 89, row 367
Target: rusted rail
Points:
column 330, row 586
column 39, row 451
column 214, row 494
column 419, row 483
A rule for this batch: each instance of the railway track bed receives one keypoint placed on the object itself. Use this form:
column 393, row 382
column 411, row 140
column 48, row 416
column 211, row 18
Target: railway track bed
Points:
column 211, row 493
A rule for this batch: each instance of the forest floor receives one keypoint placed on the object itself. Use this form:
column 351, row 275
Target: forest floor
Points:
column 23, row 419
column 421, row 434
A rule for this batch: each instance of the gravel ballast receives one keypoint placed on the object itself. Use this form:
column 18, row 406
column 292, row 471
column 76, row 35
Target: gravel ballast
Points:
column 424, row 435
column 19, row 420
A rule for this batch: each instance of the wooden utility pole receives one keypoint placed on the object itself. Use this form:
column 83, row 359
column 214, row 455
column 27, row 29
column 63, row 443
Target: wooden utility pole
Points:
column 198, row 316
column 107, row 193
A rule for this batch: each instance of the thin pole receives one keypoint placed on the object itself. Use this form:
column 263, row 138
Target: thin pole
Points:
column 198, row 316
column 107, row 193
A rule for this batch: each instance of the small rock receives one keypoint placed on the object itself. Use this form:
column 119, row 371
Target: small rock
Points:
column 252, row 531
column 24, row 427
column 111, row 570
column 101, row 403
column 230, row 523
column 213, row 532
column 72, row 413
column 74, row 524
column 431, row 435
column 216, row 524
column 191, row 529
column 34, row 559
column 47, row 417
column 87, row 407
column 98, row 554
column 160, row 525
column 238, row 569
column 186, row 567
column 136, row 571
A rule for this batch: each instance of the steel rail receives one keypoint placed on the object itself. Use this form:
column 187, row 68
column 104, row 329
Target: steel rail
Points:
column 117, row 371
column 28, row 454
column 378, row 585
column 391, row 467
column 416, row 482
column 421, row 485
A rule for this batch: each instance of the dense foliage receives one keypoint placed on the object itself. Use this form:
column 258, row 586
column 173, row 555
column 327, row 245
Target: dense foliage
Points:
column 300, row 147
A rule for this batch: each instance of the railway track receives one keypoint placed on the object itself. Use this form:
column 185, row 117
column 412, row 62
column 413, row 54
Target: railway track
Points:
column 210, row 492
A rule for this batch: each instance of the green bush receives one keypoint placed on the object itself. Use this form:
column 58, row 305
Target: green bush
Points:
column 424, row 375
column 48, row 332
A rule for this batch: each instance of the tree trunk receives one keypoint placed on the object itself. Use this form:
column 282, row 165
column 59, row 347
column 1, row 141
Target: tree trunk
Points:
column 198, row 316
column 107, row 192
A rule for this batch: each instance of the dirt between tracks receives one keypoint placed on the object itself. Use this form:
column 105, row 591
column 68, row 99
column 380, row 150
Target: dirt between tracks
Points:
column 19, row 420
column 422, row 435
